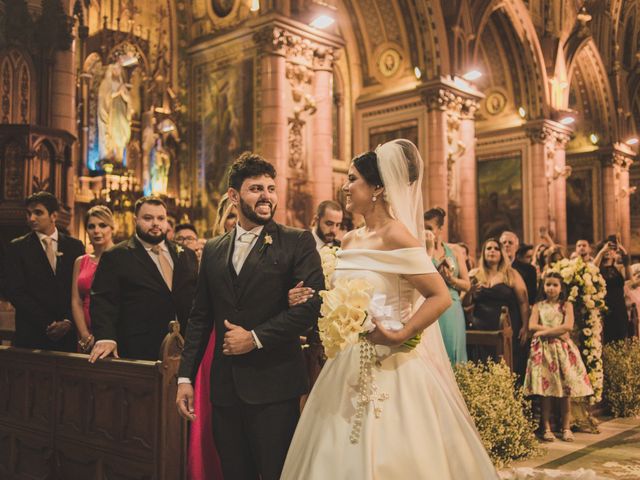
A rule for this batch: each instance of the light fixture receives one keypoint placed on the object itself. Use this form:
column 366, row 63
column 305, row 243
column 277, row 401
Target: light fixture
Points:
column 522, row 112
column 255, row 5
column 417, row 72
column 128, row 60
column 567, row 120
column 594, row 138
column 632, row 141
column 472, row 75
column 322, row 21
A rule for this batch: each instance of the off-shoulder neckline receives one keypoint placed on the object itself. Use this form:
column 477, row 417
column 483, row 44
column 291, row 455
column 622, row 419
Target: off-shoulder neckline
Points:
column 378, row 250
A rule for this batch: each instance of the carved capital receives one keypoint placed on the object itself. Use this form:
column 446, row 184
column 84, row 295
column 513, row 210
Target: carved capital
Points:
column 323, row 58
column 545, row 134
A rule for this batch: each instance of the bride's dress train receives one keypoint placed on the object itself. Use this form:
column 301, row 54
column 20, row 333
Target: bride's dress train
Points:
column 423, row 430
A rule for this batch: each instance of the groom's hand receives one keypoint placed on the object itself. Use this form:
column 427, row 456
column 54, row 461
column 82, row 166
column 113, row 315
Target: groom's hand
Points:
column 237, row 340
column 184, row 401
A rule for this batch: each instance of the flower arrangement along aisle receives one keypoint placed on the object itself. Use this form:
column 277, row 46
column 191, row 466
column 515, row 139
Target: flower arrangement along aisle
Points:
column 587, row 290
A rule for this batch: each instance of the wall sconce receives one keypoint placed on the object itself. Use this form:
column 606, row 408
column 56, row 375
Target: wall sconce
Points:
column 522, row 112
column 417, row 72
column 255, row 5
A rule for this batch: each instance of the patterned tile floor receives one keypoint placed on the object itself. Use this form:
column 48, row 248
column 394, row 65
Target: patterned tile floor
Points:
column 614, row 453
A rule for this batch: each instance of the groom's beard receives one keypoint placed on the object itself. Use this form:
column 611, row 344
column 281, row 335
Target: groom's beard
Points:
column 330, row 238
column 252, row 216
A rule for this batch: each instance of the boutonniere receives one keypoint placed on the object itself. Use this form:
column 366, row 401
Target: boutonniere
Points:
column 59, row 254
column 268, row 240
column 179, row 249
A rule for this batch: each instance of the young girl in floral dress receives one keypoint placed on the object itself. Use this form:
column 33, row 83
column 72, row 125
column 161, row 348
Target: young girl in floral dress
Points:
column 554, row 368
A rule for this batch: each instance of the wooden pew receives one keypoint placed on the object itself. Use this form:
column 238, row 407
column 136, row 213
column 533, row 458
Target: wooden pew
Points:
column 63, row 418
column 500, row 339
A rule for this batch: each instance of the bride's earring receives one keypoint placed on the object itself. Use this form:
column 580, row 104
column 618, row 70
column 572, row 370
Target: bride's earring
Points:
column 374, row 198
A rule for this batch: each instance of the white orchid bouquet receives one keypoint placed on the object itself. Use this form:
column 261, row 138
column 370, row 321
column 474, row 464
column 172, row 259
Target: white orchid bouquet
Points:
column 586, row 290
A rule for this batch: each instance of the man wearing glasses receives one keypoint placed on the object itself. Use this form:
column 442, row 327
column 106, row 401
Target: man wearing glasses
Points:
column 187, row 236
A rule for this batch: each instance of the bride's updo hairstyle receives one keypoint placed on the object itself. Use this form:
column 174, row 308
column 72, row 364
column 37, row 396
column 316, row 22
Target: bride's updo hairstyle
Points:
column 367, row 166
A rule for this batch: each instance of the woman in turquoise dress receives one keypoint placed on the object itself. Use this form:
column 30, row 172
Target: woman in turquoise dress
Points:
column 449, row 261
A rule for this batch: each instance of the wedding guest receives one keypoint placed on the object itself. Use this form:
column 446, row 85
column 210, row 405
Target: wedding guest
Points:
column 613, row 261
column 555, row 367
column 449, row 261
column 100, row 227
column 227, row 217
column 326, row 224
column 187, row 236
column 583, row 250
column 40, row 265
column 494, row 284
column 171, row 225
column 632, row 296
column 140, row 286
column 468, row 259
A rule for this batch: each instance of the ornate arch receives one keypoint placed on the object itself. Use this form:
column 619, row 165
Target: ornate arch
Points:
column 590, row 91
column 529, row 67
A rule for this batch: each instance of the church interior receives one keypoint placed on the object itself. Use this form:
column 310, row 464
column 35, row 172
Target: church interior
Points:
column 526, row 113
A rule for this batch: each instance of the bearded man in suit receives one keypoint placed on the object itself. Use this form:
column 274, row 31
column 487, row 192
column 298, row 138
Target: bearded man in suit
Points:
column 258, row 373
column 140, row 286
column 39, row 267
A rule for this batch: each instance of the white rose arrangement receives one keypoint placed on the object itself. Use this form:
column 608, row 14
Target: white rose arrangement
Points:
column 587, row 289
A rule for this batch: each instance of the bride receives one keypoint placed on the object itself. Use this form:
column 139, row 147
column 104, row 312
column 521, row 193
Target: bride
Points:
column 411, row 422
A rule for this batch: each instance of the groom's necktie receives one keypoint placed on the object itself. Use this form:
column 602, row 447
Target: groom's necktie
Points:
column 241, row 250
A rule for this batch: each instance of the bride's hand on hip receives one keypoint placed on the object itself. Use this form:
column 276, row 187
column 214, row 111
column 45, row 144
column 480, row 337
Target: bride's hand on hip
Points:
column 390, row 338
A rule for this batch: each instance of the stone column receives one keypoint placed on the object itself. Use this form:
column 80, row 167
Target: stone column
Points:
column 558, row 186
column 271, row 109
column 322, row 133
column 616, row 192
column 450, row 163
column 468, row 181
column 548, row 174
column 609, row 197
column 62, row 109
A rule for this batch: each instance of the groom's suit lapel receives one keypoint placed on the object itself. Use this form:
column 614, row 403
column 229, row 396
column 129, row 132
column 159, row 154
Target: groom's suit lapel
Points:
column 229, row 274
column 255, row 258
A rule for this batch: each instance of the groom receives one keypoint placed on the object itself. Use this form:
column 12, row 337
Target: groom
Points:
column 258, row 372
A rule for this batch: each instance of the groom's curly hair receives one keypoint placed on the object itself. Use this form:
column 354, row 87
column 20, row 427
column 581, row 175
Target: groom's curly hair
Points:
column 249, row 165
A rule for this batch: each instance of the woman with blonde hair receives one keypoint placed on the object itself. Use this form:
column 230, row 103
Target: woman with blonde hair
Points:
column 495, row 284
column 226, row 217
column 100, row 227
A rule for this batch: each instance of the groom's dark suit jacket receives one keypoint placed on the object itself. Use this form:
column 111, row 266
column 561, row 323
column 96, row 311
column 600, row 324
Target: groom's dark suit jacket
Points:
column 256, row 300
column 38, row 295
column 131, row 303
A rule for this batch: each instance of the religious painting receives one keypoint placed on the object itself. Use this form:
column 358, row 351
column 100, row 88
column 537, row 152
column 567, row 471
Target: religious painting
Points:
column 224, row 120
column 500, row 196
column 380, row 135
column 580, row 206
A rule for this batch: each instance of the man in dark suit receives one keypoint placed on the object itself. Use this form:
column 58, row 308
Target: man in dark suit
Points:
column 327, row 223
column 39, row 267
column 140, row 286
column 258, row 373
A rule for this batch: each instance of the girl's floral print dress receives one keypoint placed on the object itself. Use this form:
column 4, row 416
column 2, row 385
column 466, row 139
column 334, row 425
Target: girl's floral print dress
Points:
column 555, row 368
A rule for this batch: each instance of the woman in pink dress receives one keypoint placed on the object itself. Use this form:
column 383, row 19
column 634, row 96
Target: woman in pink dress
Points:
column 99, row 225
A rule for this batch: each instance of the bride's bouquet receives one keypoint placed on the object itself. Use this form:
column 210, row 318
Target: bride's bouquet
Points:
column 348, row 310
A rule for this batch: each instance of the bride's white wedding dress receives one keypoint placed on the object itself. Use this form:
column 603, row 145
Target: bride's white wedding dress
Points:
column 423, row 430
